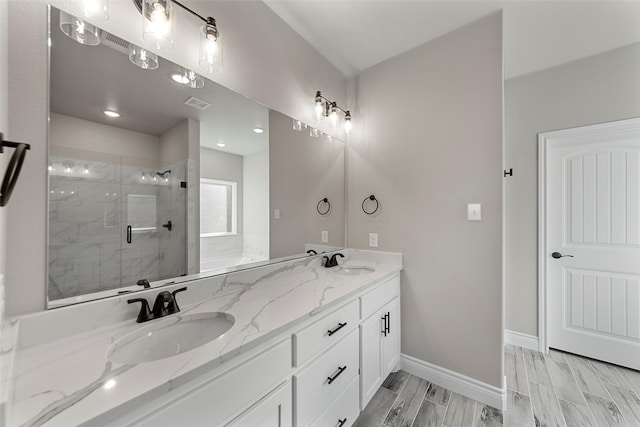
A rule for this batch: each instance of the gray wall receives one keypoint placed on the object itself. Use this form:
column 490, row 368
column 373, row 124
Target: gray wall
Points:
column 252, row 32
column 302, row 171
column 601, row 88
column 255, row 221
column 433, row 143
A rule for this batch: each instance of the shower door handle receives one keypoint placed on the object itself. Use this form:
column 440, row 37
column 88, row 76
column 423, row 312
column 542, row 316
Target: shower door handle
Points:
column 129, row 232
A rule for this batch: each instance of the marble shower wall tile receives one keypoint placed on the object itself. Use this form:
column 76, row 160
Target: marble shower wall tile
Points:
column 88, row 217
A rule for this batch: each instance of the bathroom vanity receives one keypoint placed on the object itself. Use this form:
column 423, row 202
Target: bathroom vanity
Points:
column 309, row 346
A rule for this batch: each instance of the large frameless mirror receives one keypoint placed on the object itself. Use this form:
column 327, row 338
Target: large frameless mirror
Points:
column 156, row 173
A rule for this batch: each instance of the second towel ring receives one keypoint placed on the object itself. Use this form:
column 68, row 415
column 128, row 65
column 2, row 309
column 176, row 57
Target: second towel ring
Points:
column 372, row 198
column 326, row 202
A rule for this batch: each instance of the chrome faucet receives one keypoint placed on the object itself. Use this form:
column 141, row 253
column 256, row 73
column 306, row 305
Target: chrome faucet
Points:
column 164, row 305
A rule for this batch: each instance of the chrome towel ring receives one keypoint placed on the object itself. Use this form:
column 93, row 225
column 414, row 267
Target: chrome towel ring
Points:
column 371, row 199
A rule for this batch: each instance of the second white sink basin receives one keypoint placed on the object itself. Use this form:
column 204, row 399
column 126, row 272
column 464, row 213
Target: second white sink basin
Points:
column 355, row 270
column 167, row 337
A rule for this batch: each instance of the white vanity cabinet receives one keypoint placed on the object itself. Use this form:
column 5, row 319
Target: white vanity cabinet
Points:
column 379, row 337
column 321, row 374
column 274, row 410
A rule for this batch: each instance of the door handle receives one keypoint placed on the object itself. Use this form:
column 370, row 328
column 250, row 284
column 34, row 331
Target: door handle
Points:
column 384, row 327
column 558, row 255
column 129, row 232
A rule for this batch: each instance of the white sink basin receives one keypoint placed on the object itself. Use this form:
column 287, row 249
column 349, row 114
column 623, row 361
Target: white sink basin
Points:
column 355, row 270
column 167, row 337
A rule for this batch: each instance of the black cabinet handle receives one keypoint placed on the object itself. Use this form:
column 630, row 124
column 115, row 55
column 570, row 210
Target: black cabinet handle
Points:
column 384, row 327
column 129, row 232
column 333, row 378
column 340, row 326
column 341, row 422
column 388, row 322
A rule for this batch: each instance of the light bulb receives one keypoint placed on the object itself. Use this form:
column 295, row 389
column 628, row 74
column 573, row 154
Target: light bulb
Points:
column 333, row 116
column 50, row 168
column 67, row 169
column 86, row 170
column 144, row 176
column 348, row 124
column 157, row 26
column 211, row 47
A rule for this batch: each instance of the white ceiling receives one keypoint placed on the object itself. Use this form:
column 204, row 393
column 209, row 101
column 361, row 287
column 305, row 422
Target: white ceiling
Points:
column 356, row 34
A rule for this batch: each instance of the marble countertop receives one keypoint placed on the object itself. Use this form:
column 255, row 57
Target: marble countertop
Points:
column 69, row 381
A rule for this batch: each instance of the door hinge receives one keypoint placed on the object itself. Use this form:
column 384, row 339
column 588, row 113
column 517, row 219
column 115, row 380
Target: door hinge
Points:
column 508, row 172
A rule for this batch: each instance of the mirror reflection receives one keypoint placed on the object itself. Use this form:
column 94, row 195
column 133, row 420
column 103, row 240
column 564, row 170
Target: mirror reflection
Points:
column 159, row 173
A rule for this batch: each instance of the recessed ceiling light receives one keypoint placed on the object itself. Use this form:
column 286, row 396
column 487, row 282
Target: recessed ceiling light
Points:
column 180, row 78
column 221, row 144
column 258, row 130
column 111, row 113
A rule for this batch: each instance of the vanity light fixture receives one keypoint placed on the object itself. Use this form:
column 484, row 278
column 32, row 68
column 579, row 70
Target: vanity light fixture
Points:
column 258, row 130
column 79, row 30
column 325, row 108
column 111, row 113
column 143, row 58
column 157, row 17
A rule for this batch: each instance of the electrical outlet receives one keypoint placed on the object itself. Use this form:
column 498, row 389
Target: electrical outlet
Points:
column 373, row 240
column 325, row 236
column 276, row 214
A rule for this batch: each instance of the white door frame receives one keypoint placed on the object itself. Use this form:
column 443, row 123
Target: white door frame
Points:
column 552, row 139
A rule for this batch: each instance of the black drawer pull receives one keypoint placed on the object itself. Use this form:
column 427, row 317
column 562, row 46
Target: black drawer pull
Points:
column 384, row 328
column 341, row 422
column 129, row 233
column 340, row 326
column 388, row 322
column 333, row 378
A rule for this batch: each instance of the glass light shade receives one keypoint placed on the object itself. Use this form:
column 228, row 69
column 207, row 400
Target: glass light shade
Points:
column 194, row 80
column 143, row 58
column 79, row 30
column 157, row 24
column 95, row 9
column 210, row 50
column 315, row 133
column 298, row 125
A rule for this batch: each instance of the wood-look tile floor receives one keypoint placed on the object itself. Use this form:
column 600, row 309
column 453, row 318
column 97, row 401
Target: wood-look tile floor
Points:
column 554, row 390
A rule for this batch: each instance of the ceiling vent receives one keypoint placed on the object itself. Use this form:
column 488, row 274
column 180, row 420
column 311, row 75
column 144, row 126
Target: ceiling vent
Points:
column 114, row 42
column 197, row 103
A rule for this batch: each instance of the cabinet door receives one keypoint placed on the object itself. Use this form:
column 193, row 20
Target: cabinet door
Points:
column 370, row 362
column 274, row 410
column 391, row 340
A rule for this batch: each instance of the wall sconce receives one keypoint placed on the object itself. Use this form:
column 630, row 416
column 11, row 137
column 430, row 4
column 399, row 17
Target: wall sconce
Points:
column 326, row 108
column 157, row 17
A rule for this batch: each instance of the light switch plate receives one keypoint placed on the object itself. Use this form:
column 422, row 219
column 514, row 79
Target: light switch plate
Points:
column 373, row 240
column 474, row 212
column 276, row 214
column 325, row 236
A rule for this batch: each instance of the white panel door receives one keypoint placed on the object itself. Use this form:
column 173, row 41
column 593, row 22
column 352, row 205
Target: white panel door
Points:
column 593, row 241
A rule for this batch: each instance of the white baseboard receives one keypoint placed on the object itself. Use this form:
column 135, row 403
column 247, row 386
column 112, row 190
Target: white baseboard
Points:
column 458, row 383
column 521, row 340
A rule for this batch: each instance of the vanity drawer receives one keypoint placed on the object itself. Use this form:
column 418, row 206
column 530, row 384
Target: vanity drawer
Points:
column 312, row 387
column 371, row 302
column 319, row 336
column 344, row 410
column 223, row 398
